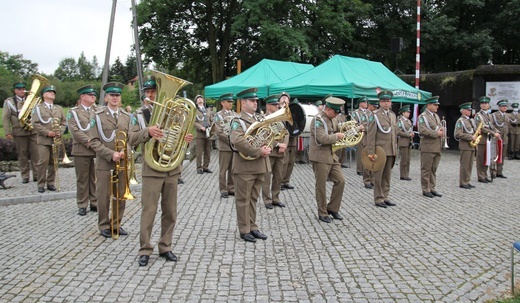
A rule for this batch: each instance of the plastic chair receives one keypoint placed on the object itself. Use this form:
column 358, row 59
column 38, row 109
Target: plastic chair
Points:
column 516, row 246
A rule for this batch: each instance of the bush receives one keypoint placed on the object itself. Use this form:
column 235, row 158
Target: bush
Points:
column 7, row 150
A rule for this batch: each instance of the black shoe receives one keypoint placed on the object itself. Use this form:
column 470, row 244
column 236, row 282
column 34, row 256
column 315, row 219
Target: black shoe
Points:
column 35, row 179
column 258, row 235
column 406, row 178
column 143, row 260
column 169, row 256
column 471, row 186
column 51, row 187
column 466, row 186
column 200, row 171
column 388, row 203
column 269, row 206
column 279, row 204
column 436, row 194
column 231, row 193
column 488, row 179
column 344, row 166
column 106, row 233
column 334, row 215
column 25, row 180
column 369, row 186
column 224, row 195
column 82, row 211
column 325, row 219
column 360, row 173
column 427, row 194
column 122, row 232
column 381, row 204
column 282, row 187
column 483, row 181
column 93, row 208
column 180, row 181
column 288, row 186
column 207, row 171
column 247, row 237
column 41, row 189
column 502, row 176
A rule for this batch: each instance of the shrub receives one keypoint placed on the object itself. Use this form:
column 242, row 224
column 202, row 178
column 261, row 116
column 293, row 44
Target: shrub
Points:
column 7, row 150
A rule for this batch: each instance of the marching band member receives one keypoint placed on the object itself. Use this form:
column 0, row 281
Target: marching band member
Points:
column 361, row 115
column 292, row 147
column 202, row 122
column 499, row 119
column 514, row 131
column 104, row 126
column 42, row 119
column 405, row 134
column 324, row 133
column 226, row 183
column 487, row 131
column 382, row 132
column 465, row 133
column 78, row 121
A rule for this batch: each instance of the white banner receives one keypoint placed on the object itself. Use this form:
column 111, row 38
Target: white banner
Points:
column 497, row 91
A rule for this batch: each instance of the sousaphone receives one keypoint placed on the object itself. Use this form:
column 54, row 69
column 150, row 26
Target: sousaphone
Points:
column 378, row 163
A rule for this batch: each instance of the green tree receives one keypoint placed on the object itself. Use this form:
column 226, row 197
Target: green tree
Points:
column 117, row 72
column 67, row 70
column 17, row 65
column 85, row 68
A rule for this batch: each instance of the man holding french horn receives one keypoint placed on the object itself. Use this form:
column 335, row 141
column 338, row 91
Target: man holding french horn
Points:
column 203, row 122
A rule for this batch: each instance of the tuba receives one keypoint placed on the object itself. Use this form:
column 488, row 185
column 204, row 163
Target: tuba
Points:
column 175, row 117
column 32, row 100
column 261, row 132
column 352, row 135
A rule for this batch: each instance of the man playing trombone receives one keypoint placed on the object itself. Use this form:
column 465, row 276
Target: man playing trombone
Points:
column 104, row 127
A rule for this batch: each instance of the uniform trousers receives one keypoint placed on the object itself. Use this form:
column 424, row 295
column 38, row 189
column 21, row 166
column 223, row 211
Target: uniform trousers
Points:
column 481, row 158
column 500, row 166
column 466, row 166
column 103, row 192
column 429, row 164
column 225, row 176
column 382, row 180
column 203, row 150
column 45, row 167
column 359, row 152
column 271, row 188
column 154, row 188
column 404, row 164
column 247, row 190
column 290, row 157
column 332, row 172
column 85, row 181
column 514, row 142
column 27, row 149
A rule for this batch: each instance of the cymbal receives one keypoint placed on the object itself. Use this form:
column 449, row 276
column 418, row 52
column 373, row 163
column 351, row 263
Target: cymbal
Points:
column 376, row 165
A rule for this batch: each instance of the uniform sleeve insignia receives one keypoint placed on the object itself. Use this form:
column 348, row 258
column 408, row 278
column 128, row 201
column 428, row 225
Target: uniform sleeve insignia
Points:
column 69, row 115
column 134, row 120
column 371, row 119
column 421, row 120
column 33, row 110
column 399, row 124
column 477, row 118
column 363, row 118
column 318, row 123
column 458, row 124
column 92, row 122
column 234, row 125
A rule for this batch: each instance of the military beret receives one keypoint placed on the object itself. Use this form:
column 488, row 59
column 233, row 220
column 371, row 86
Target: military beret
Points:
column 226, row 97
column 484, row 99
column 271, row 99
column 114, row 88
column 466, row 105
column 249, row 93
column 87, row 89
column 19, row 84
column 334, row 103
column 48, row 88
column 502, row 102
column 386, row 94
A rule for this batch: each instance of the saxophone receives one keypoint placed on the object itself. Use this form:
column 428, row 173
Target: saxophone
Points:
column 474, row 143
column 175, row 116
column 32, row 100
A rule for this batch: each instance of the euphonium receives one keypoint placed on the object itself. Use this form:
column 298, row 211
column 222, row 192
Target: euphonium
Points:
column 261, row 133
column 32, row 100
column 352, row 135
column 175, row 117
column 474, row 143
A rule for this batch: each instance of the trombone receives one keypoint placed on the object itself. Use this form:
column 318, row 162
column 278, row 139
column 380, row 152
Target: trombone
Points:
column 115, row 196
column 58, row 144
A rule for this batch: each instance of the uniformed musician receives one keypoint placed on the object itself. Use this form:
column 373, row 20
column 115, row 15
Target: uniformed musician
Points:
column 273, row 179
column 203, row 121
column 324, row 133
column 465, row 133
column 487, row 131
column 382, row 131
column 42, row 119
column 78, row 121
column 25, row 140
column 404, row 142
column 342, row 152
column 249, row 174
column 361, row 115
column 292, row 147
column 222, row 127
column 500, row 120
column 105, row 125
column 514, row 133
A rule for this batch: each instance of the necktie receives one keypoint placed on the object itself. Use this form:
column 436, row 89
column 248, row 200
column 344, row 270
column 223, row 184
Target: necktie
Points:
column 115, row 116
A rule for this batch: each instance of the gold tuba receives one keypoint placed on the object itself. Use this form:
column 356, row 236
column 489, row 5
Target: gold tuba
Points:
column 175, row 116
column 261, row 133
column 32, row 100
column 352, row 135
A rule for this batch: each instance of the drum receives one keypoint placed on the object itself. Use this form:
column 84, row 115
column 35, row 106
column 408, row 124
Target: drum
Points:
column 309, row 111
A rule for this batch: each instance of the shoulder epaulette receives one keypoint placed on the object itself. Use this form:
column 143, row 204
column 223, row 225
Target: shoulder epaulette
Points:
column 99, row 110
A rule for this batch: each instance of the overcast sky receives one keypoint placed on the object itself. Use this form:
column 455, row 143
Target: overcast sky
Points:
column 48, row 31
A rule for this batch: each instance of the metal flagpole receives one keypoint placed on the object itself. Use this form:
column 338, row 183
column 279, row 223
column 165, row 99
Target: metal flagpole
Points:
column 137, row 52
column 417, row 60
column 107, row 54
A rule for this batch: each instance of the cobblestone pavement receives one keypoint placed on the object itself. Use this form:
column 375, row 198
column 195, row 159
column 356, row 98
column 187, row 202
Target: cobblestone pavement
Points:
column 450, row 249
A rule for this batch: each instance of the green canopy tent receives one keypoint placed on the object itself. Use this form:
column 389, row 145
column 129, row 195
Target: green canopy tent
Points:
column 349, row 77
column 261, row 75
